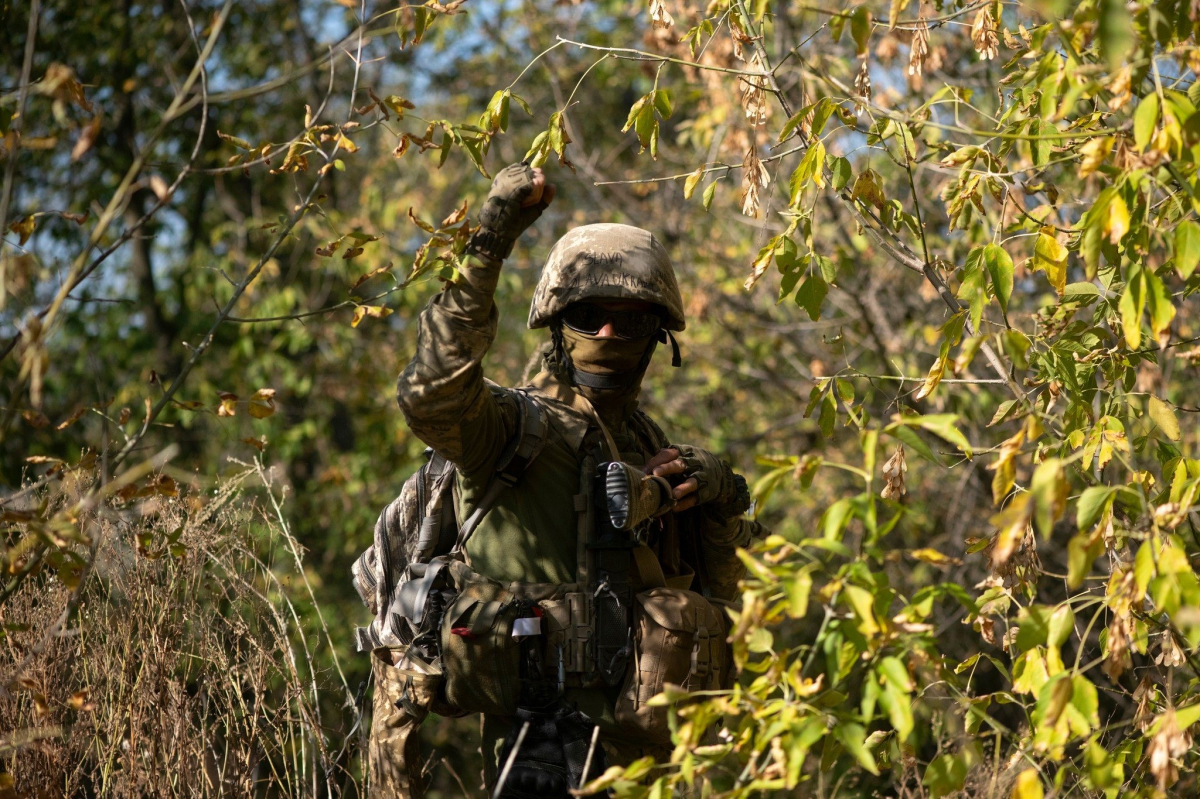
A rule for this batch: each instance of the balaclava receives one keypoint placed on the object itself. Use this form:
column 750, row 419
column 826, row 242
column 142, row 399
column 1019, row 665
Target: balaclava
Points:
column 608, row 371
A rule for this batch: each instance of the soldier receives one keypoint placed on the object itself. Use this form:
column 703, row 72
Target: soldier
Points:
column 608, row 296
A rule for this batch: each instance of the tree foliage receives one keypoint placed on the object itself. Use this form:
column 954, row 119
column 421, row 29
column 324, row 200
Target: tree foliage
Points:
column 939, row 260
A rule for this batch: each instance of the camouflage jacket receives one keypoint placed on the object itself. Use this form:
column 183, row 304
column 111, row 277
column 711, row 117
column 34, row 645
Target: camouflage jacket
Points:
column 530, row 535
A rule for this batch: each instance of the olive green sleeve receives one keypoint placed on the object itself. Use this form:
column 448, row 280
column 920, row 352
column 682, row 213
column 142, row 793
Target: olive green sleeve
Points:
column 441, row 392
column 719, row 540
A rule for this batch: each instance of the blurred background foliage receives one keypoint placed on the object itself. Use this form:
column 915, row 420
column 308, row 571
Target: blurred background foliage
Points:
column 260, row 298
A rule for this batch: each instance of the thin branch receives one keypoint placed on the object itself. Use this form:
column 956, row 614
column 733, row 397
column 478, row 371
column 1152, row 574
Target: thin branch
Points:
column 630, row 54
column 11, row 167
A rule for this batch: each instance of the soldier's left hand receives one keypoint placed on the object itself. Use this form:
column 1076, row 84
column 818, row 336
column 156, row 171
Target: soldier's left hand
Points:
column 668, row 463
column 709, row 479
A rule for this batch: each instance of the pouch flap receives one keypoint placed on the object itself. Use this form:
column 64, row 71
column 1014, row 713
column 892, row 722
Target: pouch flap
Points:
column 676, row 610
column 457, row 611
column 557, row 613
column 486, row 617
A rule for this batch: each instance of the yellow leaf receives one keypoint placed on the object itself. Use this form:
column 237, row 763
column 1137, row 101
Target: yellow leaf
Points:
column 1164, row 417
column 1028, row 786
column 689, row 185
column 1116, row 220
column 228, row 405
column 1050, row 256
column 262, row 403
column 363, row 311
column 23, row 227
column 927, row 555
column 344, row 143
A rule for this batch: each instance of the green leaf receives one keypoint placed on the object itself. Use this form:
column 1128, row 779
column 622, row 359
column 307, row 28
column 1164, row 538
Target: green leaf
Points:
column 842, row 173
column 662, row 103
column 940, row 424
column 899, row 708
column 973, row 287
column 1049, row 490
column 1158, row 302
column 524, row 105
column 1164, row 417
column 852, row 737
column 909, row 438
column 860, row 28
column 1187, row 716
column 1115, row 30
column 1187, row 248
column 798, row 590
column 1082, row 551
column 1060, row 626
column 809, row 169
column 1092, row 504
column 811, row 295
column 945, row 775
column 821, row 115
column 1144, row 120
column 1133, row 302
column 710, row 191
column 1000, row 267
column 896, row 673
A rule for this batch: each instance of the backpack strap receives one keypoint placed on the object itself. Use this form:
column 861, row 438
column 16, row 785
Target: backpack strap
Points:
column 522, row 448
column 432, row 534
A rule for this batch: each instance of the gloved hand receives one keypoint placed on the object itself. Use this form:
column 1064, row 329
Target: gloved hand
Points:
column 709, row 480
column 552, row 755
column 518, row 196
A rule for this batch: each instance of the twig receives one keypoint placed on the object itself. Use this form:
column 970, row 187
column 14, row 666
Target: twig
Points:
column 508, row 764
column 587, row 762
column 630, row 54
column 15, row 129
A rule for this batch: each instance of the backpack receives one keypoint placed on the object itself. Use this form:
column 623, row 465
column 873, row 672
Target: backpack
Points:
column 421, row 524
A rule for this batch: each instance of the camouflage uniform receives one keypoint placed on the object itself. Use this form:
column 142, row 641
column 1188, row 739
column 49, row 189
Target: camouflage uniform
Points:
column 530, row 534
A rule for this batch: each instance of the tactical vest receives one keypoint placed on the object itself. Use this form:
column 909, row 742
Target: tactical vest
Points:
column 501, row 645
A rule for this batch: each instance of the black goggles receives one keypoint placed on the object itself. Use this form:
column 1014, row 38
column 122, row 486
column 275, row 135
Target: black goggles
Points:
column 589, row 319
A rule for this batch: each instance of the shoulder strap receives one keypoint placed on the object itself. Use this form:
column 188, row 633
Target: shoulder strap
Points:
column 650, row 430
column 522, row 448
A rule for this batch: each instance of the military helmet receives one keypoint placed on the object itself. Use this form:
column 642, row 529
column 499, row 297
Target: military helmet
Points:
column 607, row 261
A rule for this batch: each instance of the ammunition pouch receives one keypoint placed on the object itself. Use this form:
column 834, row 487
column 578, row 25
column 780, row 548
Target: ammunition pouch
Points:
column 679, row 640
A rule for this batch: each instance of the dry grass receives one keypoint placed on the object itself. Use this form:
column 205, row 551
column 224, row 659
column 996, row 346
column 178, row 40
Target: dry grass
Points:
column 185, row 665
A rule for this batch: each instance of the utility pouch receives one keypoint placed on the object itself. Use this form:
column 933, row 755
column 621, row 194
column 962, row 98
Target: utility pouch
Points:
column 480, row 658
column 407, row 689
column 566, row 633
column 679, row 638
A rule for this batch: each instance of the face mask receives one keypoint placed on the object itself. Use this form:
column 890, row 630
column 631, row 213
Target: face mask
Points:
column 604, row 355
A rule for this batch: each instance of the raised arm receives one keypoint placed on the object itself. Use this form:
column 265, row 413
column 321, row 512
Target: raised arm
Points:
column 441, row 392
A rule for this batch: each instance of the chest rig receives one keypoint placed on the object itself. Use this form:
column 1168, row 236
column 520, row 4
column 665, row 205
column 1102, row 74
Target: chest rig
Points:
column 589, row 626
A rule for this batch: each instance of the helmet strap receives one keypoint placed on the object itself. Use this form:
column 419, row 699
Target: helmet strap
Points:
column 664, row 336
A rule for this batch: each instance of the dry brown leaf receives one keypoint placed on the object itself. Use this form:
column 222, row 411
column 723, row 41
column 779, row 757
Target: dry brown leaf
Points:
column 983, row 34
column 862, row 88
column 455, row 217
column 228, row 404
column 754, row 180
column 659, row 16
column 35, row 419
column 893, row 475
column 87, row 137
column 919, row 49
